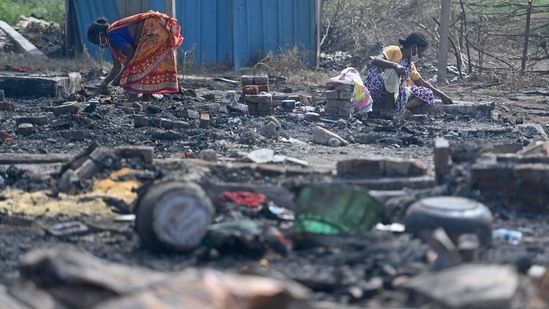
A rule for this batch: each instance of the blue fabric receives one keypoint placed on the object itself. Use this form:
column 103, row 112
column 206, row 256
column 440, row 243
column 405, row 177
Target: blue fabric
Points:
column 120, row 38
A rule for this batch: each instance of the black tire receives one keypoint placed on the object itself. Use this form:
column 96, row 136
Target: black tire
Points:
column 181, row 195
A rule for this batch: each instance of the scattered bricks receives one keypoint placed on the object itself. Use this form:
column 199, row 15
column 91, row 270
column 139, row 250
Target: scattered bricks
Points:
column 38, row 120
column 5, row 106
column 25, row 129
column 360, row 167
column 340, row 86
column 145, row 153
column 250, row 89
column 442, row 159
column 140, row 121
column 67, row 108
column 177, row 125
column 204, row 121
column 263, row 88
column 75, row 135
column 261, row 80
column 247, row 80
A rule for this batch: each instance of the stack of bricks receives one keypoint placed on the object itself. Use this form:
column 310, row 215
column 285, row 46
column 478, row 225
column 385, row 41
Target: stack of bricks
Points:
column 255, row 94
column 339, row 99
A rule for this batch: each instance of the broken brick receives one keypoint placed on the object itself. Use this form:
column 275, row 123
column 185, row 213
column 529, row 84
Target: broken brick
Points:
column 67, row 108
column 145, row 153
column 250, row 89
column 204, row 121
column 5, row 106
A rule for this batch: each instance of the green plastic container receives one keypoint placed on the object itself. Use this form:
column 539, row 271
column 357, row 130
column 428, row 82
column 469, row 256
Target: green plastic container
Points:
column 335, row 208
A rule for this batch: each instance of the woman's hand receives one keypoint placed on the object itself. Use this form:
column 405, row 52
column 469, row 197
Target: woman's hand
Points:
column 400, row 69
column 446, row 100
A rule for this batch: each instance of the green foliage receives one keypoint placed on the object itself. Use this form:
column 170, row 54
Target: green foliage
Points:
column 50, row 10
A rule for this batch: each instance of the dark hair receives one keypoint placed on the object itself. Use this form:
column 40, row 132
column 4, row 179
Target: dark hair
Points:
column 100, row 25
column 414, row 38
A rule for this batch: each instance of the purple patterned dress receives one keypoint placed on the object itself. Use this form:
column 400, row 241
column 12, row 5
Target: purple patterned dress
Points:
column 374, row 83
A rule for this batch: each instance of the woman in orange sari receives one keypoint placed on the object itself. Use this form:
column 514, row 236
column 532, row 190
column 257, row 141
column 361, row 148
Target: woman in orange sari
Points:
column 143, row 49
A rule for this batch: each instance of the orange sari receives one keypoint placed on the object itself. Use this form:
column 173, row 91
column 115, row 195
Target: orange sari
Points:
column 153, row 68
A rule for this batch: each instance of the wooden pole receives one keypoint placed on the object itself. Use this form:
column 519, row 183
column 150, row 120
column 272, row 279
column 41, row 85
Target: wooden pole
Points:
column 526, row 37
column 169, row 7
column 444, row 32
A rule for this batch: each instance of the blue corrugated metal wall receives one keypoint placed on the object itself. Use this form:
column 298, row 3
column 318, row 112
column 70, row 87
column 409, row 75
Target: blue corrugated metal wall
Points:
column 235, row 32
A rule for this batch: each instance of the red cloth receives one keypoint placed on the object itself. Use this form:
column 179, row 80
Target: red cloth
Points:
column 250, row 199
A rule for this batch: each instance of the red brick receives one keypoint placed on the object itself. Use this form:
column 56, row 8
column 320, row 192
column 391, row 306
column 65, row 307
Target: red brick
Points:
column 247, row 80
column 339, row 103
column 261, row 80
column 5, row 106
column 250, row 89
column 263, row 88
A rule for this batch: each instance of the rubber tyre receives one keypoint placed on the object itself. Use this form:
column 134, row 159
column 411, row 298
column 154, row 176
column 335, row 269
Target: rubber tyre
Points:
column 146, row 212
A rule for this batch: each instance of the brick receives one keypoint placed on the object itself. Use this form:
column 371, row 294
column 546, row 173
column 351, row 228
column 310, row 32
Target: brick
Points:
column 339, row 103
column 332, row 95
column 263, row 88
column 5, row 106
column 442, row 159
column 330, row 111
column 75, row 135
column 404, row 168
column 166, row 123
column 344, row 112
column 246, row 80
column 145, row 153
column 360, row 167
column 250, row 89
column 204, row 121
column 25, row 129
column 140, row 121
column 37, row 120
column 264, row 98
column 180, row 125
column 312, row 117
column 340, row 86
column 261, row 80
column 346, row 95
column 67, row 108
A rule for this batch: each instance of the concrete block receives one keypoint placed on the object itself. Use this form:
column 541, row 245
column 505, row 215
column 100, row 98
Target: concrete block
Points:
column 33, row 86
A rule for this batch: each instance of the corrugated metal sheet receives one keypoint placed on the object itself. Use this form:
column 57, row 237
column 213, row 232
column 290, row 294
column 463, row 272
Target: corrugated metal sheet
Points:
column 234, row 32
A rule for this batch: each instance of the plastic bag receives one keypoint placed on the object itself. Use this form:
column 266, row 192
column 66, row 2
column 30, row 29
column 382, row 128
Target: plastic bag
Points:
column 363, row 99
